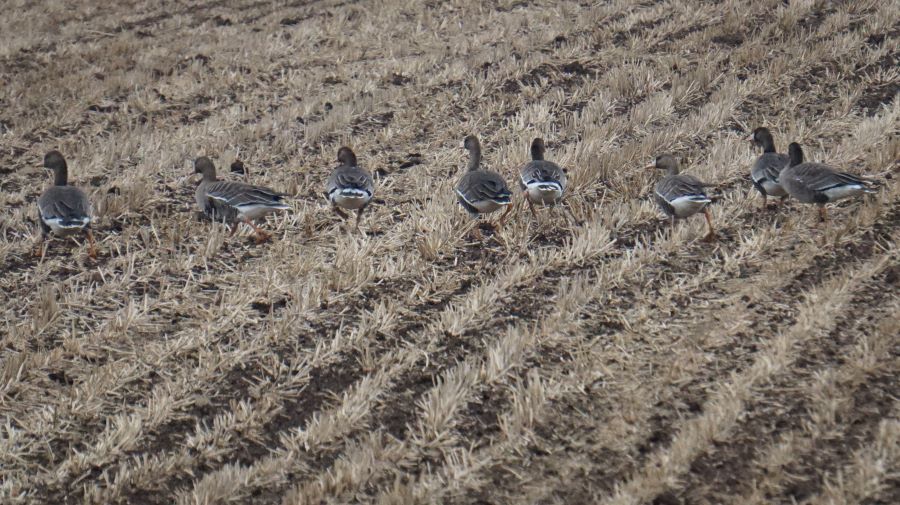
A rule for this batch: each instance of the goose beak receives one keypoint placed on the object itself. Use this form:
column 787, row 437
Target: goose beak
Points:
column 651, row 165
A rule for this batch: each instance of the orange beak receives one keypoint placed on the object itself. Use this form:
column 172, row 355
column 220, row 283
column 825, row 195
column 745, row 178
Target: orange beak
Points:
column 652, row 165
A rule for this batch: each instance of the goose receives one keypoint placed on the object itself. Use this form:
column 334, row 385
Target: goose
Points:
column 481, row 191
column 542, row 182
column 232, row 202
column 349, row 187
column 63, row 210
column 768, row 166
column 681, row 195
column 818, row 183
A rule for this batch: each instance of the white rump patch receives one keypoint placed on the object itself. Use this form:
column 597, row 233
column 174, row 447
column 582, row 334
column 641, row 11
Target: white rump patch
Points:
column 56, row 225
column 257, row 211
column 688, row 205
column 544, row 192
column 845, row 191
column 485, row 206
column 350, row 198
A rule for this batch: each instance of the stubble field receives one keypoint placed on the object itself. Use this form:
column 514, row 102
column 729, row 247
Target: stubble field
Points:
column 604, row 359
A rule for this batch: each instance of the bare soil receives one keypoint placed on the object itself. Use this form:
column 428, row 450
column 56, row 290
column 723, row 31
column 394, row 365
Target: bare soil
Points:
column 593, row 355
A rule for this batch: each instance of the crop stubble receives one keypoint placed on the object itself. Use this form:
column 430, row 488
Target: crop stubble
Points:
column 613, row 361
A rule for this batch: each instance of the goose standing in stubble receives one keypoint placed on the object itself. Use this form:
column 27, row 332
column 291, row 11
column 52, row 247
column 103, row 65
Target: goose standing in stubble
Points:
column 818, row 183
column 543, row 182
column 232, row 202
column 767, row 168
column 349, row 187
column 481, row 191
column 63, row 210
column 681, row 195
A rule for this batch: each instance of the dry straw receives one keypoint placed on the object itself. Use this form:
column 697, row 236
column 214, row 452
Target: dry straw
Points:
column 604, row 358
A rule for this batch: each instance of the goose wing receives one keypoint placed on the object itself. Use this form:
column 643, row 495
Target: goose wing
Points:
column 821, row 178
column 769, row 166
column 238, row 194
column 481, row 185
column 679, row 186
column 66, row 205
column 541, row 171
column 350, row 178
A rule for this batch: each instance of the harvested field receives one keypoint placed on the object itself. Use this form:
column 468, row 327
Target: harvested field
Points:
column 602, row 359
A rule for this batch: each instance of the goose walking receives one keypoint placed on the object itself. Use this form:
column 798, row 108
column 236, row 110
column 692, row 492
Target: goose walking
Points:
column 768, row 166
column 481, row 191
column 818, row 183
column 234, row 202
column 543, row 182
column 349, row 187
column 63, row 210
column 681, row 195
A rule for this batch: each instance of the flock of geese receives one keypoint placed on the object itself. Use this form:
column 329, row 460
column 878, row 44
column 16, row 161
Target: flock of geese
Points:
column 66, row 210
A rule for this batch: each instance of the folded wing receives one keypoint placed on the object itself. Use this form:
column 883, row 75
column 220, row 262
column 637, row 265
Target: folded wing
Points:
column 480, row 186
column 352, row 178
column 539, row 171
column 62, row 207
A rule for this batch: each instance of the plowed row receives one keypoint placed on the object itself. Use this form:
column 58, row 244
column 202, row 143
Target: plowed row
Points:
column 605, row 359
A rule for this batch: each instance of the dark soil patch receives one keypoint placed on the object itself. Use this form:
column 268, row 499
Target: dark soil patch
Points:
column 269, row 307
column 324, row 384
column 400, row 410
column 729, row 39
column 724, row 470
column 832, row 262
column 872, row 99
column 565, row 75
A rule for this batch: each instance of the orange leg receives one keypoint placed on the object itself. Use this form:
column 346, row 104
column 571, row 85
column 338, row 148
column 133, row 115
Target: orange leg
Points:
column 261, row 236
column 711, row 236
column 92, row 248
column 765, row 204
column 823, row 214
column 38, row 251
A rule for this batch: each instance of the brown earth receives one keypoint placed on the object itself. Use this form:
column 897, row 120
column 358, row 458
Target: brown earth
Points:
column 593, row 355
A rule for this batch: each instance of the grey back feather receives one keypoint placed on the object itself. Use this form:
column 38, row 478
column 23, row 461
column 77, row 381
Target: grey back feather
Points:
column 769, row 166
column 347, row 177
column 541, row 171
column 65, row 203
column 222, row 200
column 809, row 182
column 819, row 177
column 679, row 185
column 482, row 185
